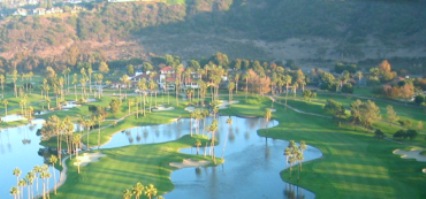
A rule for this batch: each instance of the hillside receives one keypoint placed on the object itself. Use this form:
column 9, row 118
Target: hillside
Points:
column 305, row 30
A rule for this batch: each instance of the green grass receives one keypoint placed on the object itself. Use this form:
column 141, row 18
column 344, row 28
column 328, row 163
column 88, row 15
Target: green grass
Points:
column 123, row 167
column 354, row 165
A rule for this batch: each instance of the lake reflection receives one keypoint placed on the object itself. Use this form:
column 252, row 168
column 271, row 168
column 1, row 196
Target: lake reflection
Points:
column 252, row 163
column 19, row 149
column 251, row 168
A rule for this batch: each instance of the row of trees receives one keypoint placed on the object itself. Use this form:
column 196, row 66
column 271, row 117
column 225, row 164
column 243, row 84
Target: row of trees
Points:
column 37, row 174
column 138, row 190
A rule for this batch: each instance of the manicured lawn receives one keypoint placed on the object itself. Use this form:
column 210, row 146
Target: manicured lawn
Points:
column 123, row 167
column 354, row 165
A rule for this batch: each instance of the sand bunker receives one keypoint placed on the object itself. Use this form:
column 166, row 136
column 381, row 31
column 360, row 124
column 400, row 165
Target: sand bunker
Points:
column 190, row 109
column 412, row 154
column 161, row 108
column 87, row 158
column 224, row 103
column 12, row 118
column 186, row 163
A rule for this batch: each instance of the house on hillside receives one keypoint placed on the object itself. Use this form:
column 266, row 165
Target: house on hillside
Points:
column 20, row 12
column 39, row 11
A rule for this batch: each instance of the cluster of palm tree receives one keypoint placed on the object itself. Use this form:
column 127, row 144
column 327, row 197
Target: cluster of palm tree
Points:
column 38, row 173
column 138, row 190
column 198, row 114
column 63, row 130
column 294, row 154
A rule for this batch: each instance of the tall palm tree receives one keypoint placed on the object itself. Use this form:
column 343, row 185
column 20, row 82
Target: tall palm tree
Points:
column 90, row 71
column 17, row 172
column 302, row 148
column 21, row 184
column 150, row 191
column 66, row 73
column 15, row 192
column 14, row 78
column 124, row 80
column 99, row 77
column 68, row 128
column 30, row 180
column 268, row 115
column 2, row 82
column 61, row 82
column 45, row 175
column 37, row 172
column 99, row 118
column 231, row 88
column 74, row 82
column 142, row 90
column 138, row 190
column 212, row 129
column 76, row 140
column 198, row 144
column 52, row 160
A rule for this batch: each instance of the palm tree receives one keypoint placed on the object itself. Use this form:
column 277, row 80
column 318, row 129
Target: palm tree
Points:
column 138, row 190
column 99, row 118
column 68, row 127
column 74, row 82
column 90, row 71
column 212, row 129
column 17, row 172
column 127, row 194
column 99, row 77
column 15, row 192
column 45, row 175
column 2, row 81
column 53, row 159
column 66, row 73
column 14, row 78
column 268, row 115
column 289, row 152
column 21, row 184
column 30, row 179
column 76, row 140
column 5, row 102
column 231, row 88
column 61, row 82
column 142, row 89
column 124, row 80
column 198, row 144
column 302, row 148
column 37, row 171
column 150, row 191
column 88, row 123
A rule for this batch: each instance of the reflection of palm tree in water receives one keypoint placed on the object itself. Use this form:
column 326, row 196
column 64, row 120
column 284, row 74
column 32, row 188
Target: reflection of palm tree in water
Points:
column 9, row 146
column 145, row 134
column 138, row 136
column 1, row 143
column 292, row 192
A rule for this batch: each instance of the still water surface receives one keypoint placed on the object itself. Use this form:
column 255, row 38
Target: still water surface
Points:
column 252, row 163
column 19, row 149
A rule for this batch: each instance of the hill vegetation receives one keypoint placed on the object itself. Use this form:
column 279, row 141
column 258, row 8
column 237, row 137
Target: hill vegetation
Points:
column 325, row 30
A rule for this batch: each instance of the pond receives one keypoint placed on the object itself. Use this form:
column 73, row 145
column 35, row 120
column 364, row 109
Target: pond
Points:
column 19, row 148
column 249, row 159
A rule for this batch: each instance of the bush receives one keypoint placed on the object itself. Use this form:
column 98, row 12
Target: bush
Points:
column 347, row 88
column 379, row 134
